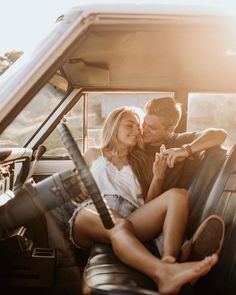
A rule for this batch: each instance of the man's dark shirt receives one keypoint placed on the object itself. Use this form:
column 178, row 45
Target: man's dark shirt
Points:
column 175, row 176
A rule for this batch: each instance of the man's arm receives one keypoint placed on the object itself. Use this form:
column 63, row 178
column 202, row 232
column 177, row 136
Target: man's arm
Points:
column 205, row 140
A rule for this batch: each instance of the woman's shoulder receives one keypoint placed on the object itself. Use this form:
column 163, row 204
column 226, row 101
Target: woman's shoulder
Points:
column 92, row 154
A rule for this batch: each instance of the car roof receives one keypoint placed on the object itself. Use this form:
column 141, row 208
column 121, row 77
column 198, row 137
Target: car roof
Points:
column 184, row 7
column 131, row 46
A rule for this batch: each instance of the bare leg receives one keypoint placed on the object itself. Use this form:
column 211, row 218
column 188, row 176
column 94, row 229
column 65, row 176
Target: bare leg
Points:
column 168, row 212
column 88, row 228
column 169, row 277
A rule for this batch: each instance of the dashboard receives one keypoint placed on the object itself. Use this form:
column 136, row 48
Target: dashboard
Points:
column 14, row 168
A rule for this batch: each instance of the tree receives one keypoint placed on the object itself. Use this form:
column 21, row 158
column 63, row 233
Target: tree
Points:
column 8, row 59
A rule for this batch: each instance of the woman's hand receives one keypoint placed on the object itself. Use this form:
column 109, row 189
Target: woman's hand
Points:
column 80, row 198
column 83, row 195
column 160, row 164
column 159, row 170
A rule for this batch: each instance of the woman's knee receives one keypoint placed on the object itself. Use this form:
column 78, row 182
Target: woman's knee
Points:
column 179, row 195
column 88, row 228
column 122, row 226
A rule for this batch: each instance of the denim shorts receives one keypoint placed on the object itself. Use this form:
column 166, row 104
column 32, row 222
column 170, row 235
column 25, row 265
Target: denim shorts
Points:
column 115, row 202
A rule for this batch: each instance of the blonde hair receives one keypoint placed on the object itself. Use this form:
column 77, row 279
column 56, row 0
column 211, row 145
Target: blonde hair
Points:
column 112, row 123
column 137, row 157
column 166, row 108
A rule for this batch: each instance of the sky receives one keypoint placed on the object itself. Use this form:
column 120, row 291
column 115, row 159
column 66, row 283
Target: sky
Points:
column 23, row 23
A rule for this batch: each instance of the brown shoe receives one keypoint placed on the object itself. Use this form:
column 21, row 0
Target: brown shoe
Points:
column 207, row 239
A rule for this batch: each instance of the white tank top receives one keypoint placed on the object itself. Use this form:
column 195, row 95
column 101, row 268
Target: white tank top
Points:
column 111, row 180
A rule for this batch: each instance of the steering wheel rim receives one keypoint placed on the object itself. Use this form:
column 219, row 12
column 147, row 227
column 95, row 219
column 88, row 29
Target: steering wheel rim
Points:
column 86, row 177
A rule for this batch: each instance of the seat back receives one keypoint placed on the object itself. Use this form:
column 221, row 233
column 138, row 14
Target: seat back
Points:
column 222, row 201
column 104, row 270
column 207, row 171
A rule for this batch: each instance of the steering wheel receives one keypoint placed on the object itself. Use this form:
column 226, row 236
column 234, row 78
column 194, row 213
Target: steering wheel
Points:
column 86, row 177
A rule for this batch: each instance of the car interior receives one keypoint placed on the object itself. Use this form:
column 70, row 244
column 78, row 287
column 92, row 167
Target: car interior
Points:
column 102, row 60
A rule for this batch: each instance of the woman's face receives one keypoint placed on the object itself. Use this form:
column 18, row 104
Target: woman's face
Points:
column 129, row 132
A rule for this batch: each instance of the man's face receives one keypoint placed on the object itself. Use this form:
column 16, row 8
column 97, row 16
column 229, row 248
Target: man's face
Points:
column 154, row 131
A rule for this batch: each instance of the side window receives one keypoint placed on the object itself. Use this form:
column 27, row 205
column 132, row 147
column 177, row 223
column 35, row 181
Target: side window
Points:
column 86, row 118
column 101, row 104
column 213, row 110
column 74, row 121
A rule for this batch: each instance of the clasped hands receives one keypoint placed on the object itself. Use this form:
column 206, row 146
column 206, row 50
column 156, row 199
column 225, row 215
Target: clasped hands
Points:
column 168, row 157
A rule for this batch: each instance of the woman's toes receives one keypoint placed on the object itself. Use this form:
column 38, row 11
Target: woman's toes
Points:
column 207, row 262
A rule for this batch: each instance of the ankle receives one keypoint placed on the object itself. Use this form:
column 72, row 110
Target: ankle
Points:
column 169, row 259
column 159, row 274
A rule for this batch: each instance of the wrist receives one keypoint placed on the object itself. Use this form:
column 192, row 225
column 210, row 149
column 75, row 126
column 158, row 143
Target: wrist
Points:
column 158, row 178
column 188, row 148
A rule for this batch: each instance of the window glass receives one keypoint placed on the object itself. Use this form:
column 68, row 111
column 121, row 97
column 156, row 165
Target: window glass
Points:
column 213, row 110
column 74, row 121
column 101, row 104
column 31, row 117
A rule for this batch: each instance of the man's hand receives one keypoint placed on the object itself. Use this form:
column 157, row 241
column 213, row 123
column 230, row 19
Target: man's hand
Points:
column 174, row 155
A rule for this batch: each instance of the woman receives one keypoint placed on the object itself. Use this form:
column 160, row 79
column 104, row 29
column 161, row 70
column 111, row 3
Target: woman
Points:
column 139, row 208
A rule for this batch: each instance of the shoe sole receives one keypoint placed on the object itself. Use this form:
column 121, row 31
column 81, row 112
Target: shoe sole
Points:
column 208, row 238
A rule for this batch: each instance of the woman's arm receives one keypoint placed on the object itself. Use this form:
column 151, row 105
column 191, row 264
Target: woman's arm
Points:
column 159, row 170
column 91, row 155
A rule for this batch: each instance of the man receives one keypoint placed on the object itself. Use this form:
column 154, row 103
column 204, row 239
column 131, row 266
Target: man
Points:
column 161, row 118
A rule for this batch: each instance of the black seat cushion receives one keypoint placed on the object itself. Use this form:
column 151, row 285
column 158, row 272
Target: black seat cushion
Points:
column 104, row 271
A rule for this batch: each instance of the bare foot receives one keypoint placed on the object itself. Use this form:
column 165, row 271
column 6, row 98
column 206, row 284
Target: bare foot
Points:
column 174, row 276
column 169, row 259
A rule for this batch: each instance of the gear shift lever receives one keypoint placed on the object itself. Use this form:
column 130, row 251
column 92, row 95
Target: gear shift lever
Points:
column 39, row 152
